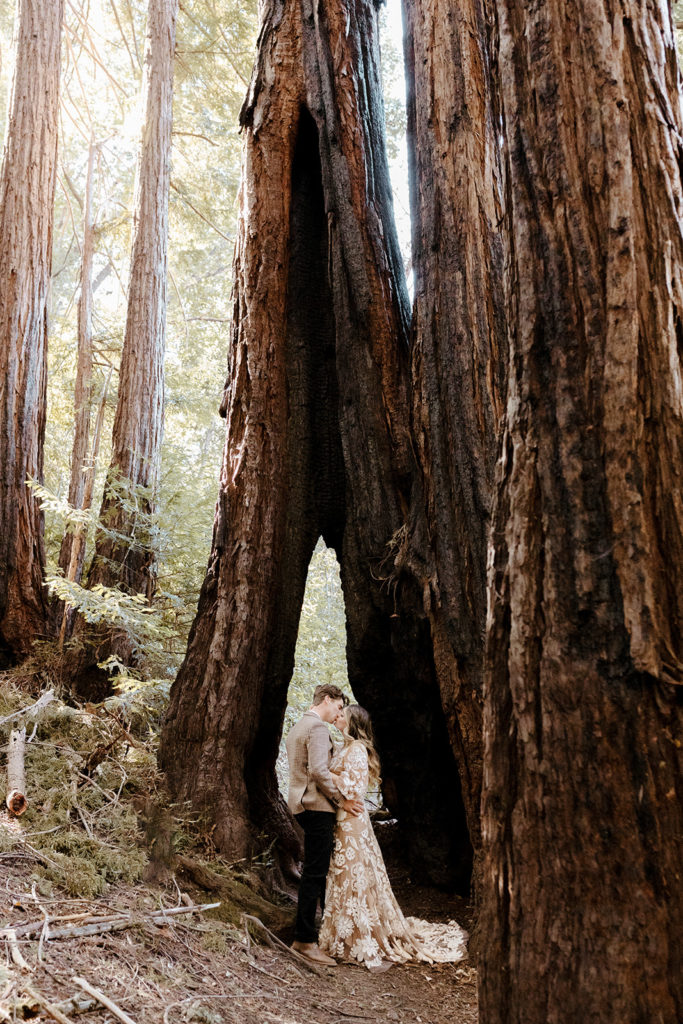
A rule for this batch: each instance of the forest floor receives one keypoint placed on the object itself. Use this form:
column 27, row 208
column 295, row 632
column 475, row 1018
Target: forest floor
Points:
column 188, row 969
column 75, row 861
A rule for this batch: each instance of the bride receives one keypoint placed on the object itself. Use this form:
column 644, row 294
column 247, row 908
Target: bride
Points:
column 362, row 920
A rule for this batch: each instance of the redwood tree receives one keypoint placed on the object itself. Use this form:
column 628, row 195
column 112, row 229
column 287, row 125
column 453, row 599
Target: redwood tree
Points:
column 124, row 554
column 317, row 407
column 27, row 184
column 583, row 808
column 459, row 342
column 83, row 388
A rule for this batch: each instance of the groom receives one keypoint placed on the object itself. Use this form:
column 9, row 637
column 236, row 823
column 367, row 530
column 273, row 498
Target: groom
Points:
column 313, row 800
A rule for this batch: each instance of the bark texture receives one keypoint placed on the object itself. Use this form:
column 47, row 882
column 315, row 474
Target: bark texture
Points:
column 83, row 388
column 127, row 559
column 27, row 183
column 459, row 342
column 317, row 407
column 582, row 809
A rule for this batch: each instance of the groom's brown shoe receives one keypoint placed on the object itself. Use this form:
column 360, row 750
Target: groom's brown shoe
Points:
column 313, row 952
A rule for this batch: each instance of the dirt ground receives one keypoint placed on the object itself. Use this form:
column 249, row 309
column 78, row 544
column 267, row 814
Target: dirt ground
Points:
column 193, row 968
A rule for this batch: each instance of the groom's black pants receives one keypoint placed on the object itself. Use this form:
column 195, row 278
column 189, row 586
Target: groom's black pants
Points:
column 318, row 829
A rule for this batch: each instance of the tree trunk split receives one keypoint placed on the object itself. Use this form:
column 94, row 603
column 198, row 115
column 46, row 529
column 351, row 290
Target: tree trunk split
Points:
column 318, row 443
column 16, row 776
column 459, row 346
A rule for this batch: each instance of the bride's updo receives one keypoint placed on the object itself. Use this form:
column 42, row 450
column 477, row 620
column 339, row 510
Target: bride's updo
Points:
column 359, row 727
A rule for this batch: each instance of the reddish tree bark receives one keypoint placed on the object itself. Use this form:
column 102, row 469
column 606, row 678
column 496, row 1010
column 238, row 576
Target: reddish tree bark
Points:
column 27, row 184
column 459, row 342
column 582, row 809
column 317, row 406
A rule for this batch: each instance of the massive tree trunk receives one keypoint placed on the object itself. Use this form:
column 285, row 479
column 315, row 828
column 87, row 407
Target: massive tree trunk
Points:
column 582, row 810
column 27, row 185
column 460, row 343
column 124, row 554
column 317, row 404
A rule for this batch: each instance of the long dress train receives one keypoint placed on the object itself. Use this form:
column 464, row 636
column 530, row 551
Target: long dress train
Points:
column 362, row 920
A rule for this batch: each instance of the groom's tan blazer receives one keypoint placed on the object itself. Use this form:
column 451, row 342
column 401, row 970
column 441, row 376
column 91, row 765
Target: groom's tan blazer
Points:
column 309, row 748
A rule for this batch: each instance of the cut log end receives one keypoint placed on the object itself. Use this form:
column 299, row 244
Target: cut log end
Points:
column 16, row 802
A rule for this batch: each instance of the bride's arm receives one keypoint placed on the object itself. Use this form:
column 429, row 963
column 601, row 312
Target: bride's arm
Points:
column 352, row 780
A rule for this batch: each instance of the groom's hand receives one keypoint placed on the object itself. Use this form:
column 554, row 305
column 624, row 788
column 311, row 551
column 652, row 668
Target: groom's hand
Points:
column 354, row 807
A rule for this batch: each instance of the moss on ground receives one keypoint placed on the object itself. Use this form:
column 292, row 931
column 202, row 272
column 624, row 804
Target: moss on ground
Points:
column 92, row 783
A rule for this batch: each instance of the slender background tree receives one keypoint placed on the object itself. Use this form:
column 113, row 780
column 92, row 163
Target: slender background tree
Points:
column 125, row 554
column 72, row 549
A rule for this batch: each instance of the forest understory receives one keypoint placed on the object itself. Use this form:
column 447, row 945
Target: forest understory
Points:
column 199, row 969
column 84, row 856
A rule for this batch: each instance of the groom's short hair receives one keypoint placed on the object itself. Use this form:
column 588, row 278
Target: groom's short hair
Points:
column 328, row 690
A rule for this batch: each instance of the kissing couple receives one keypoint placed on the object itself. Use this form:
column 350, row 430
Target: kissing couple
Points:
column 362, row 921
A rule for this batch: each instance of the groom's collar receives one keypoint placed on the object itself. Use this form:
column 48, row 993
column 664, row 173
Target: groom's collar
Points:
column 312, row 711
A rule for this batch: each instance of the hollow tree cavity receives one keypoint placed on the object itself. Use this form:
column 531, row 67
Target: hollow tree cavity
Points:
column 317, row 406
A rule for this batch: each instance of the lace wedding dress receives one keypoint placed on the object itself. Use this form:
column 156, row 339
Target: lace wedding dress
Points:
column 362, row 920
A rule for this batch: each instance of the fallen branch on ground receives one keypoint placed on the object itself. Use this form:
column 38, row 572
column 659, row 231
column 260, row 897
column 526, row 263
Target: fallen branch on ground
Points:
column 32, row 709
column 15, row 952
column 105, row 1000
column 77, row 1004
column 50, row 1009
column 276, row 943
column 97, row 925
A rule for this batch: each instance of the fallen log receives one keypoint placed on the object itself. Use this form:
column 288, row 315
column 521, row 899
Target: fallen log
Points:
column 16, row 779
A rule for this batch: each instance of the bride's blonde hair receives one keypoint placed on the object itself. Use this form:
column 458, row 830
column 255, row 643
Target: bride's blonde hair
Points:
column 359, row 727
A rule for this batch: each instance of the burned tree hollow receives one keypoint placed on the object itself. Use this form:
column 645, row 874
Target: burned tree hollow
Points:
column 389, row 653
column 318, row 443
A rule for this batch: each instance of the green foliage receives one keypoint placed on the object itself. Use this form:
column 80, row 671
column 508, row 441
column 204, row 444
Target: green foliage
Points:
column 677, row 14
column 128, row 613
column 80, row 823
column 57, row 506
column 321, row 644
column 320, row 655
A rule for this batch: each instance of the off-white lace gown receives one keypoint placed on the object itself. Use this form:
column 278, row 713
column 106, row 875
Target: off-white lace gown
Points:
column 362, row 920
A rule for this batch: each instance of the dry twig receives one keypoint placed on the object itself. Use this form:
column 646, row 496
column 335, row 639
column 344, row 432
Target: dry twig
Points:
column 50, row 1009
column 77, row 1004
column 105, row 1000
column 15, row 952
column 276, row 943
